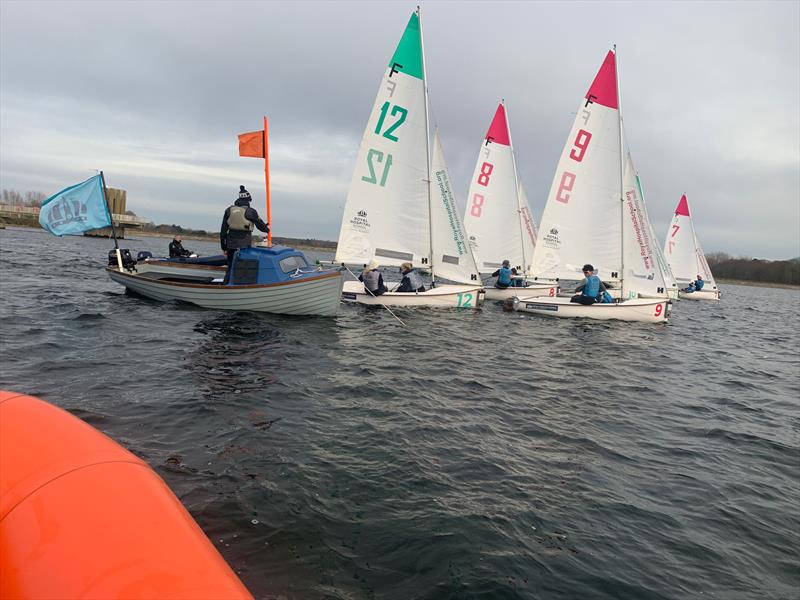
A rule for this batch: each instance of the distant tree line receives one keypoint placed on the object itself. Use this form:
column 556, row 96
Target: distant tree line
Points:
column 725, row 266
column 15, row 198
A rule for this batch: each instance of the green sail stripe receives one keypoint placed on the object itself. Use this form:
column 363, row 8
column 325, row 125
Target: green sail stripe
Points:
column 409, row 50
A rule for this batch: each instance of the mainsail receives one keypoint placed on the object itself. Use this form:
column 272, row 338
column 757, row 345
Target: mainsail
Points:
column 452, row 257
column 497, row 216
column 581, row 221
column 386, row 215
column 686, row 258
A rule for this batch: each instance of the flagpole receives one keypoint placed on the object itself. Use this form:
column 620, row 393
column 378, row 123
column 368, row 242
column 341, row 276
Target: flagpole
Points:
column 266, row 180
column 110, row 216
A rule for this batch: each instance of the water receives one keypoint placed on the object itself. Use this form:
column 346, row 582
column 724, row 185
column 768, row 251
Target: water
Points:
column 473, row 454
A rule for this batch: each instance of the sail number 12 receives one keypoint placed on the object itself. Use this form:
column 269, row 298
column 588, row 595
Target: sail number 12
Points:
column 376, row 156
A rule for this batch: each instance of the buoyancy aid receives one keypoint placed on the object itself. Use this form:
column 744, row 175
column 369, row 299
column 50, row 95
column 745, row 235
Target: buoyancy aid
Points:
column 415, row 279
column 504, row 276
column 237, row 220
column 698, row 285
column 371, row 280
column 592, row 287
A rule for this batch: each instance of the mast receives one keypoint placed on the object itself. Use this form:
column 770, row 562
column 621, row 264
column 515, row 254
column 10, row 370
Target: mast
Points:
column 110, row 216
column 621, row 183
column 427, row 149
column 516, row 185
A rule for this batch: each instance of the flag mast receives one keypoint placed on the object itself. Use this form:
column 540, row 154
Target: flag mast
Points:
column 108, row 208
column 266, row 180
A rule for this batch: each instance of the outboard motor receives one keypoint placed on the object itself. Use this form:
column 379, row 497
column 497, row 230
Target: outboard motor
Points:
column 127, row 260
column 143, row 256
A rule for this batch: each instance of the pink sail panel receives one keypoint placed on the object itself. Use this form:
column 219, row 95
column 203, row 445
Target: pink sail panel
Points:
column 498, row 130
column 683, row 207
column 604, row 87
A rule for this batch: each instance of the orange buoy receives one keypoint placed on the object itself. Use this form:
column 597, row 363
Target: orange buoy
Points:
column 81, row 517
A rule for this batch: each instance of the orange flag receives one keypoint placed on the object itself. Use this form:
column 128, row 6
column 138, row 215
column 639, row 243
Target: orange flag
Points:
column 252, row 144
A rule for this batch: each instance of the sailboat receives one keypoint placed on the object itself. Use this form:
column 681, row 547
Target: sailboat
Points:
column 661, row 260
column 400, row 206
column 686, row 257
column 497, row 217
column 585, row 218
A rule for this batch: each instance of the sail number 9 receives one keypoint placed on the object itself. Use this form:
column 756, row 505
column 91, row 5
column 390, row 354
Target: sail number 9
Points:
column 395, row 111
column 377, row 155
column 659, row 310
column 577, row 153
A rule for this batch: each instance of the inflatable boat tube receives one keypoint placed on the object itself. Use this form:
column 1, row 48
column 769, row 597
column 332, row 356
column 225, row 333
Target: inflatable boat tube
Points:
column 81, row 517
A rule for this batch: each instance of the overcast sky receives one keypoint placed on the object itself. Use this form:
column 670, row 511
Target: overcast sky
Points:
column 155, row 93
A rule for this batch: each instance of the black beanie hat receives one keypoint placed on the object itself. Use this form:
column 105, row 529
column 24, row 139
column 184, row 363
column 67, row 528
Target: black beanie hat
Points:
column 244, row 194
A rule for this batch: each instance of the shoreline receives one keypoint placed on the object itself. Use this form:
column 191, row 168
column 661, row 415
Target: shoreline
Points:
column 766, row 284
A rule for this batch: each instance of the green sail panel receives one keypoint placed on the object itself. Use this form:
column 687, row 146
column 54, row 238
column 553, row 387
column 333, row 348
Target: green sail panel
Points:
column 408, row 56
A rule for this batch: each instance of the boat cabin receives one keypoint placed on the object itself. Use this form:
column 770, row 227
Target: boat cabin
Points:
column 259, row 265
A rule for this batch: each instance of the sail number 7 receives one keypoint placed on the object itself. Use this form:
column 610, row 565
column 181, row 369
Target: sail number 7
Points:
column 377, row 155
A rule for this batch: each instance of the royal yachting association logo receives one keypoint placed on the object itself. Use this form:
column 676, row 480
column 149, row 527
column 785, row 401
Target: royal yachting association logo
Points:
column 551, row 239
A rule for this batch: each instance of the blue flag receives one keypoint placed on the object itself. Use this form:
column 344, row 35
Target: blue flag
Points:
column 76, row 209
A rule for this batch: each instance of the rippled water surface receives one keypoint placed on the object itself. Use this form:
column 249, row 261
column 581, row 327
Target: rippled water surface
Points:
column 473, row 454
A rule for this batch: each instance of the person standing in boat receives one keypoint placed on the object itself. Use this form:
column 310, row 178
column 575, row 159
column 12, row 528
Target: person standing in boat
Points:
column 237, row 227
column 506, row 277
column 411, row 281
column 373, row 280
column 176, row 249
column 590, row 289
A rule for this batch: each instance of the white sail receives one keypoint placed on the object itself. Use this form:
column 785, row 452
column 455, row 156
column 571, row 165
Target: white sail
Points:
column 529, row 232
column 581, row 221
column 386, row 212
column 497, row 219
column 686, row 258
column 452, row 257
column 661, row 260
column 642, row 274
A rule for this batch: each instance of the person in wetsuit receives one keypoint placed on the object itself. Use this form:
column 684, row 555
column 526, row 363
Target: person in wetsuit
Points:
column 176, row 249
column 411, row 281
column 590, row 289
column 373, row 280
column 237, row 227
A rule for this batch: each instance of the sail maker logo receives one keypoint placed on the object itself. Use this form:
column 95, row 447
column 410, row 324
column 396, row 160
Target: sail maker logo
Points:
column 360, row 222
column 551, row 239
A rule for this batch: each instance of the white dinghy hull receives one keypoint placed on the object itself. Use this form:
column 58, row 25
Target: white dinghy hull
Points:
column 533, row 290
column 308, row 296
column 701, row 295
column 639, row 309
column 442, row 296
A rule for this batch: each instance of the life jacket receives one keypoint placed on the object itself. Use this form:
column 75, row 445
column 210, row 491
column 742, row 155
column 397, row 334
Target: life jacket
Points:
column 371, row 280
column 414, row 279
column 698, row 285
column 504, row 276
column 237, row 220
column 592, row 287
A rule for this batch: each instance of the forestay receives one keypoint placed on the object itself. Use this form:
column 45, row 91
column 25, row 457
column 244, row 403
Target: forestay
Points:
column 452, row 257
column 497, row 217
column 581, row 220
column 386, row 212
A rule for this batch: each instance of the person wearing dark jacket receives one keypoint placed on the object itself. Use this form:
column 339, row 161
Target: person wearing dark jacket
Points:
column 237, row 227
column 176, row 249
column 411, row 281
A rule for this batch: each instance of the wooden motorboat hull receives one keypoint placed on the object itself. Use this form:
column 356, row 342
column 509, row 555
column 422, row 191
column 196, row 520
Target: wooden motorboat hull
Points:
column 442, row 296
column 309, row 295
column 638, row 309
